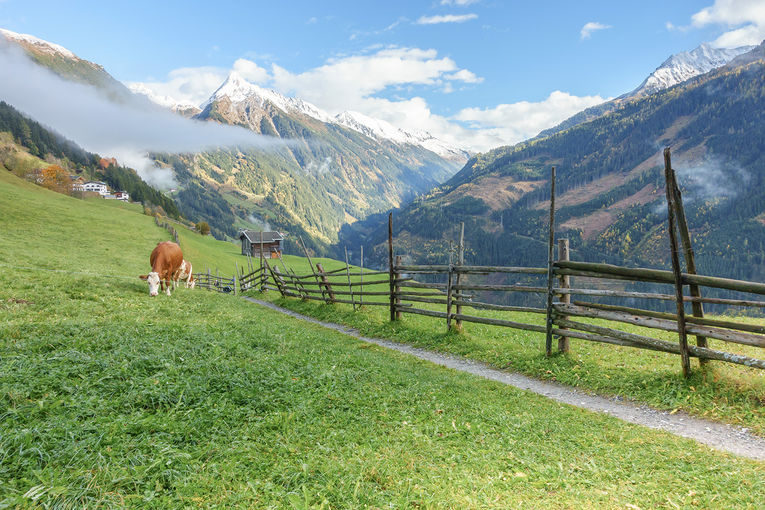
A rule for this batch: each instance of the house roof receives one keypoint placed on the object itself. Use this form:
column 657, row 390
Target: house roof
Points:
column 254, row 236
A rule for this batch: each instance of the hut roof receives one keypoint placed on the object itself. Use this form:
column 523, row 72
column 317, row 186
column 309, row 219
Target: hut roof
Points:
column 254, row 236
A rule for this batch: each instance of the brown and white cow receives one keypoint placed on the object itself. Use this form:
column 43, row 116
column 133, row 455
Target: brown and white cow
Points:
column 184, row 273
column 165, row 260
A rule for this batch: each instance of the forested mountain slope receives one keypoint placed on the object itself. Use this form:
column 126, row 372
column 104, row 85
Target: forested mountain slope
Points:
column 610, row 198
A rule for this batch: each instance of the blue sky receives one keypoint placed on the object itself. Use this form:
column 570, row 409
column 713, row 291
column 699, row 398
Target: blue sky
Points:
column 480, row 73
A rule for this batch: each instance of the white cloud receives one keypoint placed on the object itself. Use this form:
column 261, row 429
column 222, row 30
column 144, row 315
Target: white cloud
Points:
column 591, row 27
column 342, row 83
column 458, row 2
column 445, row 18
column 745, row 20
column 250, row 71
column 464, row 75
column 518, row 121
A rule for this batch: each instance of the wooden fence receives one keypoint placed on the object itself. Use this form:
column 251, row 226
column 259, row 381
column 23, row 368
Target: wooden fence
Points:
column 456, row 286
column 215, row 282
column 168, row 227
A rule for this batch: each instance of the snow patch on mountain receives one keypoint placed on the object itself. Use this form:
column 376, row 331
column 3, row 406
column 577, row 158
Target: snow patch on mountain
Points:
column 687, row 64
column 161, row 100
column 373, row 128
column 381, row 130
column 237, row 89
column 45, row 46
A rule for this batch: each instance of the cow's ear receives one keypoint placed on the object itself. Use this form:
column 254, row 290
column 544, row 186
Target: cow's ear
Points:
column 144, row 277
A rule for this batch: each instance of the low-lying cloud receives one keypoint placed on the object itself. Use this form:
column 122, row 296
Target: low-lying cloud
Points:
column 711, row 177
column 129, row 128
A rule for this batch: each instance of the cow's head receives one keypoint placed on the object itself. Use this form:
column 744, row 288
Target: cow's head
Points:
column 153, row 279
column 192, row 282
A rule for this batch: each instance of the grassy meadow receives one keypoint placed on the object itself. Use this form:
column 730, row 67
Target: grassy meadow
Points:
column 722, row 391
column 110, row 398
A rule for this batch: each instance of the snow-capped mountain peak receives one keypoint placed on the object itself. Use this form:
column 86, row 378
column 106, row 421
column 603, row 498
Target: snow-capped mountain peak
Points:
column 237, row 89
column 38, row 43
column 687, row 64
column 381, row 130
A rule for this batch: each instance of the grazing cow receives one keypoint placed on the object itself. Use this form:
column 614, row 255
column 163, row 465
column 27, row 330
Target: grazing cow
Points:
column 165, row 260
column 184, row 273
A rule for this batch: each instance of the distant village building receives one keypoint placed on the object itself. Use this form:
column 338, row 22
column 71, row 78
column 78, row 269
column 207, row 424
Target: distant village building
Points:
column 272, row 243
column 122, row 195
column 78, row 183
column 97, row 186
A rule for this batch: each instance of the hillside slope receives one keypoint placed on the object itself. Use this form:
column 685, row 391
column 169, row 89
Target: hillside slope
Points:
column 610, row 197
column 26, row 147
column 114, row 399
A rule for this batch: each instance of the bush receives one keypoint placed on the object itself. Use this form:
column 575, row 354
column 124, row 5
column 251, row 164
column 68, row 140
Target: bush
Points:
column 203, row 228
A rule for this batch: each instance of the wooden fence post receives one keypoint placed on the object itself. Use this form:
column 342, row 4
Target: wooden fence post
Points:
column 563, row 255
column 676, row 270
column 262, row 258
column 310, row 264
column 460, row 262
column 390, row 265
column 348, row 274
column 690, row 258
column 449, row 292
column 551, row 243
column 235, row 281
column 325, row 283
column 398, row 289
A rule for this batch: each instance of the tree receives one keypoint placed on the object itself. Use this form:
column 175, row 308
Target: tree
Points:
column 57, row 179
column 203, row 228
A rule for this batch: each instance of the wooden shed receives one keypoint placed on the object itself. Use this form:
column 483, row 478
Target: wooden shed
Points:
column 272, row 243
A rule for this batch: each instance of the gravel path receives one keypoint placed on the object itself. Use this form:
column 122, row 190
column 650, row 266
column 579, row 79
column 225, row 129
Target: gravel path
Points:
column 728, row 438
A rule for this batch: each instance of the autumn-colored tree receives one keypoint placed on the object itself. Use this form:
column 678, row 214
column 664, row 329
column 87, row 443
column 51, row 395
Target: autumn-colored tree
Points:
column 57, row 179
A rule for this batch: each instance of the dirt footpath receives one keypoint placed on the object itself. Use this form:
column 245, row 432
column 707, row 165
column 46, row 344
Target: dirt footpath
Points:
column 727, row 438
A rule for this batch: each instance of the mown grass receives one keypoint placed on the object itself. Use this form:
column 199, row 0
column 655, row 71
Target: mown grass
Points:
column 109, row 398
column 722, row 391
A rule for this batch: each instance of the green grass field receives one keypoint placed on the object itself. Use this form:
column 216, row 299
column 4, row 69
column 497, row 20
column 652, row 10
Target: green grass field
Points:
column 110, row 398
column 725, row 392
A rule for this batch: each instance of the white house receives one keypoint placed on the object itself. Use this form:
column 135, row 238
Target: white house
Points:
column 97, row 186
column 122, row 195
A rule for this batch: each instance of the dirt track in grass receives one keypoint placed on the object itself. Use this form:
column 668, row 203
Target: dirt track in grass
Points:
column 727, row 438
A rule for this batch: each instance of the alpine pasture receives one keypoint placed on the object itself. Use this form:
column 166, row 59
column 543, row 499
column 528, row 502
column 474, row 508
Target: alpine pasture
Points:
column 110, row 398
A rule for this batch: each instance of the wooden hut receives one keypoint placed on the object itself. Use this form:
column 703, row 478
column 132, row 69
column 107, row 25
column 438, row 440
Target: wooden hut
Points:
column 272, row 243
